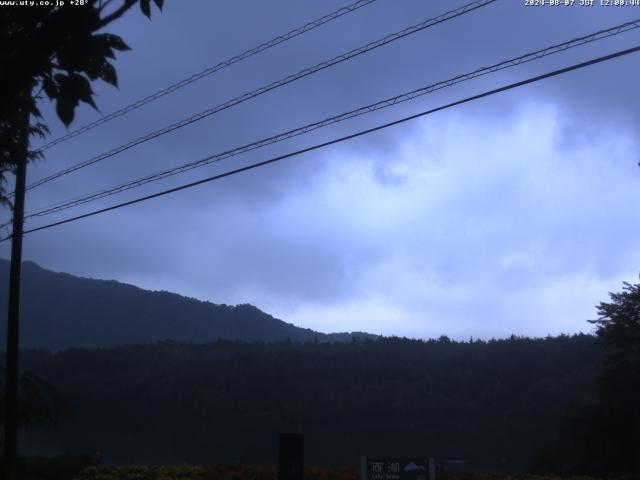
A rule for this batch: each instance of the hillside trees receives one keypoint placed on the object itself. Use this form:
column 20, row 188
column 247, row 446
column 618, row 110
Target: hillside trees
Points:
column 489, row 403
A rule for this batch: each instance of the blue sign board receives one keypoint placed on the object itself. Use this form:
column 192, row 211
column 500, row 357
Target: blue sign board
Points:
column 397, row 468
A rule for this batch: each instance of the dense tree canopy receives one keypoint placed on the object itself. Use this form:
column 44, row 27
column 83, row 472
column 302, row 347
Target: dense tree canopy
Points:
column 618, row 329
column 484, row 404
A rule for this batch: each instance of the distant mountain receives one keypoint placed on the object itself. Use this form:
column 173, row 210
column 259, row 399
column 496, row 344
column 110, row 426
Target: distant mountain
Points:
column 59, row 311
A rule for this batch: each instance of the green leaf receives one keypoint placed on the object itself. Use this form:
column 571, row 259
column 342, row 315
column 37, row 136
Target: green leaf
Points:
column 50, row 87
column 65, row 111
column 81, row 89
column 34, row 110
column 40, row 129
column 108, row 74
column 113, row 41
column 94, row 67
column 86, row 53
column 69, row 93
column 145, row 6
column 159, row 3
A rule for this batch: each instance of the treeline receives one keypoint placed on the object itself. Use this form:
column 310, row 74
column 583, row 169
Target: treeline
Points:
column 482, row 405
column 60, row 311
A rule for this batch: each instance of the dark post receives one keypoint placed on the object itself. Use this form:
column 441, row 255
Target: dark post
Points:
column 432, row 469
column 363, row 467
column 13, row 318
column 291, row 456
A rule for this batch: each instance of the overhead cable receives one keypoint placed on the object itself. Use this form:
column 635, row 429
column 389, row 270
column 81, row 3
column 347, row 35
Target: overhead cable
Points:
column 338, row 140
column 210, row 70
column 538, row 54
column 279, row 83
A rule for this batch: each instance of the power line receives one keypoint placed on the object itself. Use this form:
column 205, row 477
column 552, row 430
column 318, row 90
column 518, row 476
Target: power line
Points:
column 208, row 71
column 341, row 139
column 279, row 83
column 389, row 102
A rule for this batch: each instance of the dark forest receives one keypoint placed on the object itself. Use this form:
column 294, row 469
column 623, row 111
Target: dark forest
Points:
column 482, row 405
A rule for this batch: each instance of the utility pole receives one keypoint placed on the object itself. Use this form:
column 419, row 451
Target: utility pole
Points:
column 13, row 317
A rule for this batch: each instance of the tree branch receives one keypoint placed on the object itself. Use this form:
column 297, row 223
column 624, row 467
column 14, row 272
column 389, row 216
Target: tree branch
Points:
column 116, row 14
column 105, row 4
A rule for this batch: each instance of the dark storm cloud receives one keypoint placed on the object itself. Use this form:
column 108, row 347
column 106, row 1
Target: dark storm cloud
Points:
column 420, row 229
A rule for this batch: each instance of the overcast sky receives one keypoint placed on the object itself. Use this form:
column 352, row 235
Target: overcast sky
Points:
column 514, row 214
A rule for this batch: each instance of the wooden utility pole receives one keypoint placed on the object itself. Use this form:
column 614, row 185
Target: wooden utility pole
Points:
column 13, row 317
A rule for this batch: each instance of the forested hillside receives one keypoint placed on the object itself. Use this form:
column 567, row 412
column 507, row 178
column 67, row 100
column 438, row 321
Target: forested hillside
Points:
column 61, row 311
column 481, row 404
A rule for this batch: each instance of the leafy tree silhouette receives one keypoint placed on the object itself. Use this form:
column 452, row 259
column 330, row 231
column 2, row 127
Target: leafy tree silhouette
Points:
column 618, row 330
column 602, row 438
column 62, row 50
column 57, row 53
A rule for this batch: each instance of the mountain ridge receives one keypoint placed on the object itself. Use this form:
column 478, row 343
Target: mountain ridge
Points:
column 60, row 310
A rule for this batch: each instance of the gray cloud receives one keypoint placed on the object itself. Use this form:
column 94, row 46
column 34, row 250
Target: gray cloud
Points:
column 513, row 214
